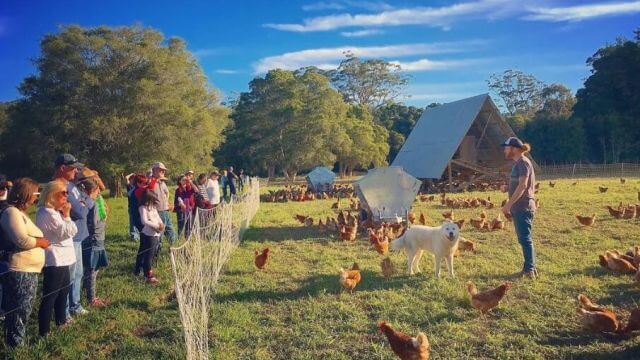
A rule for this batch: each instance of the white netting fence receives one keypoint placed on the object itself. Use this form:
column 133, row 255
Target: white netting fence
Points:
column 572, row 171
column 198, row 262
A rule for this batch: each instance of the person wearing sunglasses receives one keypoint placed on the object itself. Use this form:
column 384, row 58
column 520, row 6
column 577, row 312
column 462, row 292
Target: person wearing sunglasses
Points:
column 54, row 219
column 22, row 253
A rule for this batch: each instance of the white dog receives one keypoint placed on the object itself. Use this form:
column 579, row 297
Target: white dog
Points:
column 441, row 241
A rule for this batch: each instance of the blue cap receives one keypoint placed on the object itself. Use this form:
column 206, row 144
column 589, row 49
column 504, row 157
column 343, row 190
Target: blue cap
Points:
column 513, row 142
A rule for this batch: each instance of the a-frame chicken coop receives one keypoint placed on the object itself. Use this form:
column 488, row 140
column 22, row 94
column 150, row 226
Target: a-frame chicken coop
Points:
column 461, row 138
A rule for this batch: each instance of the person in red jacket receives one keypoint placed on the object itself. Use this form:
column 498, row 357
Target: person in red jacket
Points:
column 184, row 205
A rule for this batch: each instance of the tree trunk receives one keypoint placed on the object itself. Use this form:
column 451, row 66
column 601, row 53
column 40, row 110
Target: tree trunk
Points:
column 271, row 172
column 115, row 188
column 341, row 169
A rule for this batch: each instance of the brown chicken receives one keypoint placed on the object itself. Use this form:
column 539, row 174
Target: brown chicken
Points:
column 466, row 245
column 300, row 218
column 618, row 214
column 603, row 189
column 350, row 278
column 633, row 323
column 460, row 223
column 405, row 346
column 497, row 223
column 388, row 270
column 477, row 223
column 603, row 261
column 411, row 217
column 483, row 215
column 348, row 233
column 422, row 219
column 586, row 220
column 309, row 221
column 448, row 215
column 381, row 245
column 575, row 183
column 341, row 219
column 552, row 184
column 322, row 228
column 623, row 180
column 629, row 212
column 618, row 264
column 485, row 226
column 261, row 258
column 485, row 301
column 597, row 318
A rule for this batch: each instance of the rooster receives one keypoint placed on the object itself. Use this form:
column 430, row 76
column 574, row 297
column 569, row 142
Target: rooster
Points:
column 405, row 346
column 597, row 318
column 349, row 279
column 586, row 220
column 485, row 301
column 261, row 258
column 387, row 268
column 618, row 214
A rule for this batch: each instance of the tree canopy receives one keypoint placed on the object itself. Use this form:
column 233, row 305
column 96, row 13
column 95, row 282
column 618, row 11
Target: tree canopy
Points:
column 118, row 99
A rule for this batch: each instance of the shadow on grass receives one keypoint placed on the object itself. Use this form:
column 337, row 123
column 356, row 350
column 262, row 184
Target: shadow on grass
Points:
column 580, row 337
column 617, row 354
column 282, row 233
column 322, row 284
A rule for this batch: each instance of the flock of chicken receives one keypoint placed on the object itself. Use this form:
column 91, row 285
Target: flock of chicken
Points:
column 347, row 226
column 301, row 193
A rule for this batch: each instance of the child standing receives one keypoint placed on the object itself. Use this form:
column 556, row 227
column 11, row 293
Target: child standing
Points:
column 94, row 254
column 150, row 234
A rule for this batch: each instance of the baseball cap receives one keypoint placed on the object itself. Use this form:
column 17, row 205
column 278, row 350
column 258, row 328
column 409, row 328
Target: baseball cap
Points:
column 513, row 142
column 158, row 165
column 68, row 160
column 189, row 172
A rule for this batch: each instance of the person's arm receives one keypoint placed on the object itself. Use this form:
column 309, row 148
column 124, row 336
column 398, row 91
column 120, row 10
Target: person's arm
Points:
column 15, row 228
column 60, row 227
column 79, row 205
column 523, row 172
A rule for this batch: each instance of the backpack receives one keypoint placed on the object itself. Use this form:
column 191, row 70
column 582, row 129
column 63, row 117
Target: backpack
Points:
column 134, row 211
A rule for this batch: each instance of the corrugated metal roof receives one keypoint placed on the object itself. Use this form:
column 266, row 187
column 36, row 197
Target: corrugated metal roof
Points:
column 436, row 137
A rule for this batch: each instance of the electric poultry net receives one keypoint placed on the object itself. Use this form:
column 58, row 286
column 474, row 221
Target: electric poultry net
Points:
column 198, row 262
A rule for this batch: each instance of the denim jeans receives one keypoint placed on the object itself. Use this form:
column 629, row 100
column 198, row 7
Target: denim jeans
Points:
column 523, row 222
column 169, row 232
column 76, row 272
column 134, row 234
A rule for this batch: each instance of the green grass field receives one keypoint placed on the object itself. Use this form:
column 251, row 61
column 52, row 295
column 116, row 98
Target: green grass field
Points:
column 294, row 309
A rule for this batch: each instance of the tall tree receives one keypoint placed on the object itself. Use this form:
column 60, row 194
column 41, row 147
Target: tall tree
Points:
column 287, row 121
column 399, row 120
column 367, row 141
column 521, row 93
column 609, row 103
column 118, row 98
column 371, row 82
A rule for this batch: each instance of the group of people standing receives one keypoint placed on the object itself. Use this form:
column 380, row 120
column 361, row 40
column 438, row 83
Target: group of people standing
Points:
column 66, row 244
column 150, row 206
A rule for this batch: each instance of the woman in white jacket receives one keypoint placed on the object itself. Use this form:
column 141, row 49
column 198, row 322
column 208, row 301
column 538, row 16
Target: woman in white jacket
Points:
column 150, row 235
column 54, row 219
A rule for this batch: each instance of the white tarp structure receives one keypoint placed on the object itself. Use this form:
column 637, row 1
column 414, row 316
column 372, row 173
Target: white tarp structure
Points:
column 387, row 191
column 320, row 179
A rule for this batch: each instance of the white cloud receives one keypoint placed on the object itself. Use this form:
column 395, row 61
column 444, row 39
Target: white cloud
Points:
column 323, row 6
column 226, row 71
column 442, row 17
column 433, row 65
column 341, row 5
column 328, row 58
column 361, row 33
column 583, row 12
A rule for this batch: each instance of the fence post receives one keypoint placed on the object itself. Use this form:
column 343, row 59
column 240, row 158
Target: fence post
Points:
column 622, row 170
column 573, row 174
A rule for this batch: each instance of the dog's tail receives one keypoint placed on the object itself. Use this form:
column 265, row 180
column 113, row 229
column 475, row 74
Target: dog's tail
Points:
column 399, row 243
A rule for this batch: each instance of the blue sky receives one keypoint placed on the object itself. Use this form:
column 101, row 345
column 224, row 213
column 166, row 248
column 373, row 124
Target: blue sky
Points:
column 449, row 48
